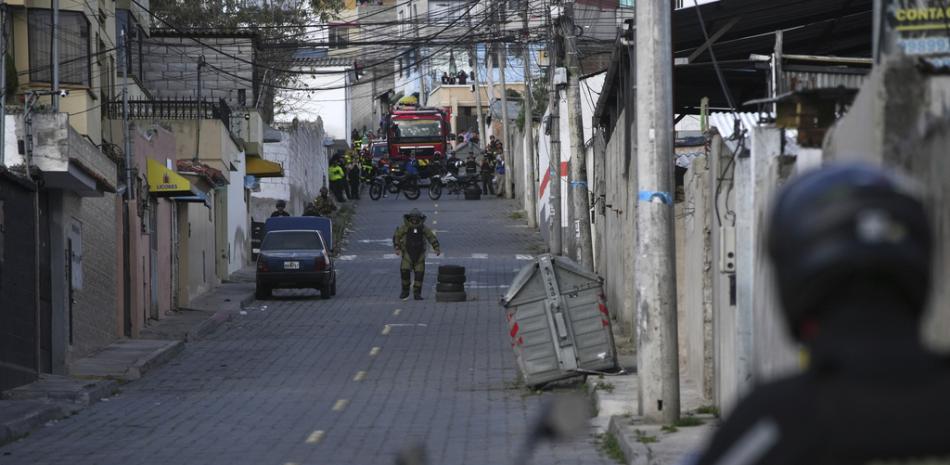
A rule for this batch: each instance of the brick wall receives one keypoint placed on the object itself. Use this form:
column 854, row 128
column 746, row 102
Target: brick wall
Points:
column 170, row 68
column 94, row 313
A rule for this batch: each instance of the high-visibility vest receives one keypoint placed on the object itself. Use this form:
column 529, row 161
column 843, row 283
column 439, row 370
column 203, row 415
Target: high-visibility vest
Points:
column 336, row 173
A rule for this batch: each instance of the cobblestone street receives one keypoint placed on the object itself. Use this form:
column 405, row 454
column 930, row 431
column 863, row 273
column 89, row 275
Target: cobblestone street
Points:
column 351, row 380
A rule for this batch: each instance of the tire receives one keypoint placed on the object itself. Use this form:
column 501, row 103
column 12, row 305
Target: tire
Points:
column 412, row 192
column 262, row 292
column 375, row 191
column 451, row 269
column 449, row 287
column 451, row 296
column 326, row 290
column 435, row 191
column 451, row 279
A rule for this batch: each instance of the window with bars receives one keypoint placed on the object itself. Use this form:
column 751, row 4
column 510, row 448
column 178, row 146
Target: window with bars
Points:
column 74, row 55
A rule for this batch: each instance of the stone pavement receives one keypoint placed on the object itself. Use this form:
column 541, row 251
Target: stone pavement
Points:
column 99, row 376
column 350, row 380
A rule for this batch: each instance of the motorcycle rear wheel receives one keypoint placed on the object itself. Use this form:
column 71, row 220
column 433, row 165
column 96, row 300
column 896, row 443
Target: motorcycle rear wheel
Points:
column 435, row 191
column 375, row 191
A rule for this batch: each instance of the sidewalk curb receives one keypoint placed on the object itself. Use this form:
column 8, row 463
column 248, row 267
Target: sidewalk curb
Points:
column 636, row 453
column 214, row 322
column 33, row 419
column 153, row 360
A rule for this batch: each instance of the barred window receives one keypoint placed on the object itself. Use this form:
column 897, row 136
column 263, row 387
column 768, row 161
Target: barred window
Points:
column 74, row 56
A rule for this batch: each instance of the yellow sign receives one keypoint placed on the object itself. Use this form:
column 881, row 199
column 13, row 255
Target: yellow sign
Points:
column 163, row 181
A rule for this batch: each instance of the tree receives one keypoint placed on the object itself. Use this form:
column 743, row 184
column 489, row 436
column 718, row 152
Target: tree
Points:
column 274, row 21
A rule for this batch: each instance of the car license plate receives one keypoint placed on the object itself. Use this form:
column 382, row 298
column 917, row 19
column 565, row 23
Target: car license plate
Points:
column 291, row 265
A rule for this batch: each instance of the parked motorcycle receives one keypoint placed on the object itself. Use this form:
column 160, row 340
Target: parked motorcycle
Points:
column 449, row 183
column 407, row 184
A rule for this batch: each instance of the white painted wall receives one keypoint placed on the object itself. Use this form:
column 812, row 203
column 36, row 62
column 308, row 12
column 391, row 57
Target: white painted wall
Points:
column 239, row 233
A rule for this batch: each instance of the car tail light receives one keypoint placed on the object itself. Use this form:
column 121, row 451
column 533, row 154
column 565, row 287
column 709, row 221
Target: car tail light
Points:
column 321, row 265
column 262, row 265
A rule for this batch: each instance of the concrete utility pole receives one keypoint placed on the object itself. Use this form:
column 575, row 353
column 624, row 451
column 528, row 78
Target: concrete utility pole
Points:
column 491, row 88
column 502, row 63
column 531, row 184
column 473, row 51
column 657, row 357
column 580, row 197
column 54, row 58
column 554, row 126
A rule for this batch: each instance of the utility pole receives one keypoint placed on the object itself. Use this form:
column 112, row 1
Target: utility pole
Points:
column 554, row 126
column 54, row 58
column 502, row 63
column 129, row 187
column 531, row 185
column 491, row 89
column 580, row 196
column 201, row 64
column 657, row 357
column 473, row 51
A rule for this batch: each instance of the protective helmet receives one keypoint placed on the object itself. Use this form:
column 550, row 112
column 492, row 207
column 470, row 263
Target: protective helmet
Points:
column 415, row 216
column 281, row 204
column 843, row 225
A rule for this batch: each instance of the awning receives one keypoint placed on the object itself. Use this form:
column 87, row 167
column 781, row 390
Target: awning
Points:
column 163, row 182
column 193, row 197
column 261, row 168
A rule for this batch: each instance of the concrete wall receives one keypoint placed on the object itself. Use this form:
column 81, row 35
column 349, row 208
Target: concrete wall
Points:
column 170, row 67
column 694, row 278
column 197, row 259
column 304, row 158
column 908, row 132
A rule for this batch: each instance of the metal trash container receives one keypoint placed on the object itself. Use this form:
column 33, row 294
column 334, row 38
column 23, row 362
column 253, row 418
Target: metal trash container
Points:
column 558, row 321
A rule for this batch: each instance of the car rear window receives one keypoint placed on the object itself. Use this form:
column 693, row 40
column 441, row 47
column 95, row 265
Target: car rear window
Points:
column 292, row 240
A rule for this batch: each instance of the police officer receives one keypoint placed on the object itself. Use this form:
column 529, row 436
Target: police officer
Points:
column 851, row 249
column 322, row 205
column 410, row 241
column 281, row 209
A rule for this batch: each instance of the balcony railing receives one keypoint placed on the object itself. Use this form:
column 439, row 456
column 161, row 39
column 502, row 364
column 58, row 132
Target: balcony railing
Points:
column 173, row 109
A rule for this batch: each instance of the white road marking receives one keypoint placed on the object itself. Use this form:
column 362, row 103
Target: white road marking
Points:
column 347, row 258
column 360, row 376
column 376, row 241
column 524, row 257
column 397, row 311
column 374, row 351
column 315, row 437
column 419, row 325
column 340, row 405
column 390, row 256
column 386, row 329
column 480, row 256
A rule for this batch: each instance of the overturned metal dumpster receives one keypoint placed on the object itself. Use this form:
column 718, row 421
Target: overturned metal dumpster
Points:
column 558, row 321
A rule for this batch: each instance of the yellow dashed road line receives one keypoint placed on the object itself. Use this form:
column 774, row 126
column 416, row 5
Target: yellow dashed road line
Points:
column 315, row 437
column 340, row 405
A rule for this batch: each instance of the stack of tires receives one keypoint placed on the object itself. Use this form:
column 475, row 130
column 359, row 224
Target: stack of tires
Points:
column 473, row 192
column 451, row 284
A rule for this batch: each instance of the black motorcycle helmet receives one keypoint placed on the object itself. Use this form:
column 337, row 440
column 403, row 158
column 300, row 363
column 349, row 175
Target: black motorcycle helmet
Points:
column 849, row 224
column 281, row 204
column 415, row 217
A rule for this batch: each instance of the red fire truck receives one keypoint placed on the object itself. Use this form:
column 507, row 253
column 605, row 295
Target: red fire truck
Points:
column 419, row 131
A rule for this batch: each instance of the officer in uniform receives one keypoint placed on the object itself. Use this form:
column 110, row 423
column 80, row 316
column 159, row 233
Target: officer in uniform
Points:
column 410, row 241
column 322, row 205
column 281, row 209
column 852, row 253
column 338, row 179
